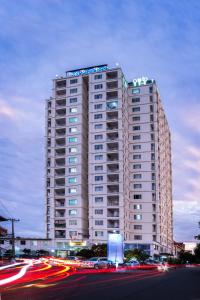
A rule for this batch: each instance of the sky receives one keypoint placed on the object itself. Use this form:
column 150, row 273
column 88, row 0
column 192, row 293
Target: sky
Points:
column 40, row 39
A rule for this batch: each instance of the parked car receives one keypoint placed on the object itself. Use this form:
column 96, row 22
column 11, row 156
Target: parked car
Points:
column 132, row 263
column 98, row 263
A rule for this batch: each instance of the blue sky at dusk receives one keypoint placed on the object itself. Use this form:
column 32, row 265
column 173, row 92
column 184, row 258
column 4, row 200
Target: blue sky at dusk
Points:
column 42, row 38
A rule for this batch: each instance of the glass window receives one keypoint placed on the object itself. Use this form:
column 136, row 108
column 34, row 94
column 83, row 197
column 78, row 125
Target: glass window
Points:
column 72, row 170
column 135, row 100
column 136, row 118
column 72, row 129
column 98, row 147
column 98, row 233
column 137, row 186
column 72, row 180
column 135, row 91
column 98, row 126
column 137, row 206
column 72, row 233
column 137, row 176
column 98, row 188
column 98, row 136
column 138, row 227
column 72, row 139
column 112, row 105
column 98, row 222
column 73, row 100
column 73, row 120
column 72, row 160
column 73, row 212
column 98, row 211
column 134, row 109
column 72, row 190
column 98, row 157
column 98, row 168
column 136, row 147
column 98, row 178
column 98, row 116
column 98, row 199
column 137, row 237
column 137, row 196
column 136, row 128
column 72, row 150
column 98, row 76
column 98, row 106
column 72, row 222
column 137, row 166
column 73, row 110
column 98, row 86
column 73, row 201
column 138, row 217
column 73, row 91
column 73, row 81
column 136, row 137
column 98, row 96
column 137, row 156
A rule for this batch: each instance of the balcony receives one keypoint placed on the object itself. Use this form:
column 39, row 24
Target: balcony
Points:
column 59, row 192
column 60, row 224
column 112, row 147
column 112, row 168
column 60, row 162
column 112, row 95
column 112, row 126
column 112, row 85
column 60, row 84
column 60, row 234
column 60, row 152
column 60, row 182
column 60, row 112
column 60, row 142
column 60, row 213
column 61, row 93
column 112, row 75
column 112, row 136
column 112, row 157
column 61, row 103
column 60, row 132
column 113, row 224
column 59, row 202
column 60, row 122
column 112, row 115
column 113, row 189
column 60, row 172
column 112, row 178
column 113, row 200
column 113, row 213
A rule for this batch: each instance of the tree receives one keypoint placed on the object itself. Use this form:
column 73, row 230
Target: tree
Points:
column 139, row 254
column 42, row 252
column 186, row 257
column 27, row 251
column 197, row 253
column 100, row 250
column 87, row 253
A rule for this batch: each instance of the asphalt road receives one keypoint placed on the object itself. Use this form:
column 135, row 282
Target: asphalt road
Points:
column 183, row 284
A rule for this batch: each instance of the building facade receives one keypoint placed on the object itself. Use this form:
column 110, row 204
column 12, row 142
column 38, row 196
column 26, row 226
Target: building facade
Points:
column 108, row 161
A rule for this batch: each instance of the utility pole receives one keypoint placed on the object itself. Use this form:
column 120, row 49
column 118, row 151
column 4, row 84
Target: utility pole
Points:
column 13, row 235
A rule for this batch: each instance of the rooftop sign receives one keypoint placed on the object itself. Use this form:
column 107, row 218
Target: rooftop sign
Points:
column 87, row 71
column 142, row 81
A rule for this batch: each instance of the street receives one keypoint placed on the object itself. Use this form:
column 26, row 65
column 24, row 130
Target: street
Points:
column 181, row 283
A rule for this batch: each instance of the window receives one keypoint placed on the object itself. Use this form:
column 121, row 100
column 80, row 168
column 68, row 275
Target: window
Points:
column 98, row 147
column 73, row 201
column 136, row 147
column 72, row 160
column 98, row 157
column 152, row 147
column 73, row 91
column 135, row 100
column 135, row 91
column 136, row 137
column 137, row 166
column 112, row 105
column 73, row 81
column 98, row 86
column 72, row 180
column 72, row 222
column 98, row 96
column 137, row 186
column 98, row 211
column 137, row 206
column 72, row 190
column 98, row 168
column 152, row 127
column 137, row 156
column 137, row 217
column 151, row 98
column 136, row 118
column 152, row 137
column 153, row 176
column 72, row 150
column 137, row 196
column 98, row 188
column 72, row 233
column 73, row 120
column 153, row 186
column 98, row 233
column 138, row 227
column 98, row 116
column 72, row 170
column 73, row 110
column 72, row 129
column 98, row 178
column 98, row 199
column 98, row 76
column 98, row 106
column 73, row 212
column 137, row 176
column 136, row 128
column 153, row 196
column 151, row 108
column 152, row 166
column 135, row 109
column 150, row 89
column 151, row 118
column 98, row 136
column 98, row 222
column 22, row 242
column 137, row 237
column 98, row 126
column 73, row 100
column 72, row 139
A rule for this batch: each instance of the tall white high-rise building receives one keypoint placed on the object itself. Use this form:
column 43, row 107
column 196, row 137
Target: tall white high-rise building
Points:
column 108, row 162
